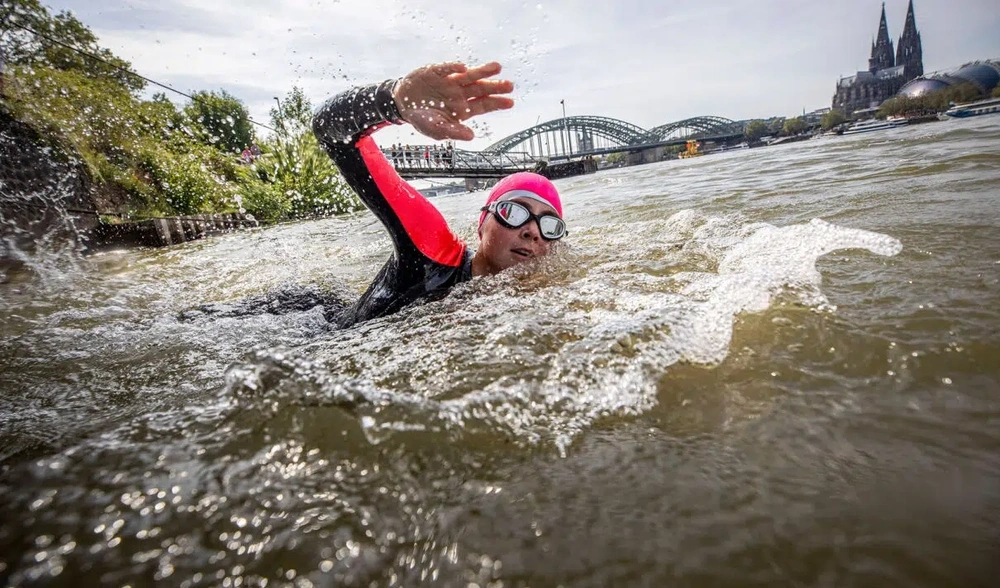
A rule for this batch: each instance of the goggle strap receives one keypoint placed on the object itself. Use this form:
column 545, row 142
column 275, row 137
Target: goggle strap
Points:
column 522, row 194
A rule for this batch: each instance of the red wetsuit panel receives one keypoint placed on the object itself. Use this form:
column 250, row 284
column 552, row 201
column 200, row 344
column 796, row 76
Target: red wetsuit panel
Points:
column 423, row 223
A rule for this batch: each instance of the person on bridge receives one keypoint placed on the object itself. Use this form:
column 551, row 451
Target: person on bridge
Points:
column 520, row 221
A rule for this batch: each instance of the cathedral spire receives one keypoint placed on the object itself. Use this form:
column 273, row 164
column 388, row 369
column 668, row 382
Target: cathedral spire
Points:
column 909, row 52
column 883, row 28
column 882, row 54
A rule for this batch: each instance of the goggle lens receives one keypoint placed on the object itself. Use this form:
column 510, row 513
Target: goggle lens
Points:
column 514, row 215
column 551, row 227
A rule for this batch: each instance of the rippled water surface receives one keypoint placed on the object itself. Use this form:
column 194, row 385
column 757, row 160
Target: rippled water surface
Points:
column 770, row 367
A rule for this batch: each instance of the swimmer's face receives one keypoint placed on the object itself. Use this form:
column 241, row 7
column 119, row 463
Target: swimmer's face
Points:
column 504, row 248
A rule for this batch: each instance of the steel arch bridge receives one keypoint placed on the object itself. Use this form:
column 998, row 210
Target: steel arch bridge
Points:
column 694, row 128
column 584, row 135
column 563, row 130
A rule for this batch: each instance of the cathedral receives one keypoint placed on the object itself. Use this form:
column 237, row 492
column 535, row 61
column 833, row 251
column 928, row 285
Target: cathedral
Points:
column 888, row 70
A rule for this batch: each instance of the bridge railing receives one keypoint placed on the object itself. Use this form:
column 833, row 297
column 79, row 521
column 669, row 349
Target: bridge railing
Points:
column 423, row 157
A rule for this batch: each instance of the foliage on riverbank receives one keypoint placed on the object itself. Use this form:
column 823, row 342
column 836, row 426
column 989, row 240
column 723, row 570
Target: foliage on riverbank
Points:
column 833, row 118
column 147, row 157
column 931, row 102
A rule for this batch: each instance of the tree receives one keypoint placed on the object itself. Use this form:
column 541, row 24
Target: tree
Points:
column 31, row 36
column 618, row 158
column 832, row 119
column 794, row 126
column 775, row 125
column 932, row 102
column 220, row 120
column 755, row 130
column 293, row 115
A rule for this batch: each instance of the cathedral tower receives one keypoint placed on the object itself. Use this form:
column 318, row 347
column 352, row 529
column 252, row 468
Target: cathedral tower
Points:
column 882, row 52
column 909, row 51
column 888, row 69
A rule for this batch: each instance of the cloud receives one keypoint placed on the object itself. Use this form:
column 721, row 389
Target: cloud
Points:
column 645, row 62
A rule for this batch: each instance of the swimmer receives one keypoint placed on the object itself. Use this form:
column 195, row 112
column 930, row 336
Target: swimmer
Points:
column 520, row 220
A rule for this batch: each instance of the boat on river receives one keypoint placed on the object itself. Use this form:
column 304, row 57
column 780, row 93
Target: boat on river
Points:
column 991, row 106
column 692, row 150
column 868, row 126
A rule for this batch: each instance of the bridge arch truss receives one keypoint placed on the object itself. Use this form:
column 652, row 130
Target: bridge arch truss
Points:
column 693, row 128
column 574, row 134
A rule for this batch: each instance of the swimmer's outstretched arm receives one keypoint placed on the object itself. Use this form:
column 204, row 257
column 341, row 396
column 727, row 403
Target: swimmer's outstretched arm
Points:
column 436, row 100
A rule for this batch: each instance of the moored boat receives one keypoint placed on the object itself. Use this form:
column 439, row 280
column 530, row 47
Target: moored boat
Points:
column 692, row 150
column 991, row 106
column 867, row 126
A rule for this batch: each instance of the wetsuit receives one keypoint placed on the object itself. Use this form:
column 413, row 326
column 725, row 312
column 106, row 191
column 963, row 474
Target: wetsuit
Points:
column 428, row 259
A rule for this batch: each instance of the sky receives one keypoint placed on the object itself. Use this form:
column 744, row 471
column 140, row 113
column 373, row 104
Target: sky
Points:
column 648, row 62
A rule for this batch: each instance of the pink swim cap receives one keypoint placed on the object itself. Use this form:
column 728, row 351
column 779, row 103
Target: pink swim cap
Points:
column 524, row 185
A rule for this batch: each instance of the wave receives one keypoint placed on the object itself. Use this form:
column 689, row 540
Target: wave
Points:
column 539, row 356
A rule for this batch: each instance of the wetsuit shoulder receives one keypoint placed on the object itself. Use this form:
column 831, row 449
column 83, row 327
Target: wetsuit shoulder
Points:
column 348, row 115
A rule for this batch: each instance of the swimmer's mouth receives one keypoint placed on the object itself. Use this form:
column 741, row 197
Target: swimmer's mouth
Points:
column 523, row 253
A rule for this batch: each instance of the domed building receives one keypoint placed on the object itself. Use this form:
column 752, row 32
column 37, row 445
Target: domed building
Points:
column 985, row 75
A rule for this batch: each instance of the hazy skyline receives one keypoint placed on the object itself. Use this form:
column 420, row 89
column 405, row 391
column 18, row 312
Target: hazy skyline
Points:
column 646, row 63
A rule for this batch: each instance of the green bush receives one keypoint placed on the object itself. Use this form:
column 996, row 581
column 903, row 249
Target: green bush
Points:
column 263, row 200
column 794, row 126
column 755, row 130
column 147, row 157
column 158, row 157
column 832, row 119
column 221, row 121
column 307, row 178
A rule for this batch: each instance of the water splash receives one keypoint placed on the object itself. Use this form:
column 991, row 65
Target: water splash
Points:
column 539, row 356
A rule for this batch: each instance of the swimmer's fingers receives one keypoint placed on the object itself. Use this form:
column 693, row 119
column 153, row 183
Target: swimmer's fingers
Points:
column 487, row 104
column 487, row 88
column 435, row 125
column 473, row 75
column 446, row 69
column 458, row 132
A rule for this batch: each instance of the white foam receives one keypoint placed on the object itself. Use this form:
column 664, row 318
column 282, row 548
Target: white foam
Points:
column 540, row 357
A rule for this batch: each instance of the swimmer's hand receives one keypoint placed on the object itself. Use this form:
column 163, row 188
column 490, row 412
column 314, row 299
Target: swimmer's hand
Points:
column 436, row 99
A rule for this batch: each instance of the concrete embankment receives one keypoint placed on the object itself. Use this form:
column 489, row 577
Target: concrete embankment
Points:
column 158, row 232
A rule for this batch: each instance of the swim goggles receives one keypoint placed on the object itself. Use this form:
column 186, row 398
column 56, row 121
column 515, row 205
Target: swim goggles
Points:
column 513, row 215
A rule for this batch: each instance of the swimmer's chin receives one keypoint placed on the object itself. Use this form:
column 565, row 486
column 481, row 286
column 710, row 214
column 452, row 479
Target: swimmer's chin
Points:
column 538, row 265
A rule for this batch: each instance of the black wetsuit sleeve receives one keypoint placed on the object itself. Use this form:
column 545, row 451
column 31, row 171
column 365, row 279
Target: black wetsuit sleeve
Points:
column 346, row 116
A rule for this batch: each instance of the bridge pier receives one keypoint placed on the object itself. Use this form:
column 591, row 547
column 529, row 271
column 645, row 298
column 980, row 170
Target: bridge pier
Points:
column 646, row 156
column 477, row 184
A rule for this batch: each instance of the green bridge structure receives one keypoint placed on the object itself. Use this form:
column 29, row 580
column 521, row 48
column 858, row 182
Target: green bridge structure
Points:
column 555, row 144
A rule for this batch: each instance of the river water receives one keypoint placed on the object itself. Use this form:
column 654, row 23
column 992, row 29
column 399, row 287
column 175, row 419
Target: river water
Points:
column 770, row 367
